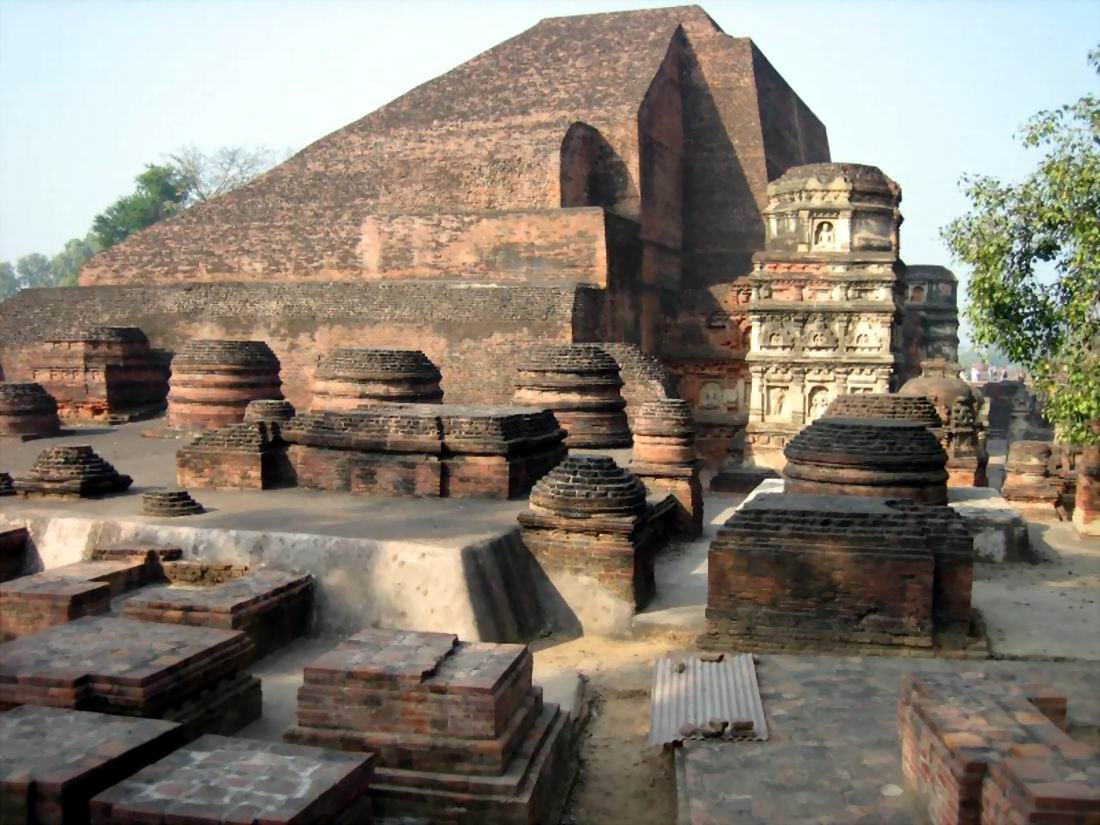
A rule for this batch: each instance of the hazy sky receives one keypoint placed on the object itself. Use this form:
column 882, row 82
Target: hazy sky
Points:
column 91, row 90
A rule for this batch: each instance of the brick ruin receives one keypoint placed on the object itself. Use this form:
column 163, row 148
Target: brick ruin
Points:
column 880, row 405
column 963, row 435
column 245, row 456
column 930, row 318
column 217, row 780
column 811, row 572
column 867, row 457
column 268, row 411
column 102, row 374
column 350, row 379
column 664, row 459
column 1086, row 505
column 213, row 382
column 27, row 411
column 978, row 750
column 71, row 472
column 1029, row 479
column 169, row 504
column 458, row 730
column 582, row 387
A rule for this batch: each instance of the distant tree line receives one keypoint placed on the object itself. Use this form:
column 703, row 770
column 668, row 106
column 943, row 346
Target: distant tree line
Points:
column 189, row 176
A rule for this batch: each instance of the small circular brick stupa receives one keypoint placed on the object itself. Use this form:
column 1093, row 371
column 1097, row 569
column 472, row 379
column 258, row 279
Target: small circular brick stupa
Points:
column 169, row 503
column 867, row 457
column 581, row 385
column 589, row 486
column 27, row 411
column 268, row 410
column 351, row 379
column 72, row 472
column 213, row 382
column 1027, row 474
column 881, row 405
column 664, row 458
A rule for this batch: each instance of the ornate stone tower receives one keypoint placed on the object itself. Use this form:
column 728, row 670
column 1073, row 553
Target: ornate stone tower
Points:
column 930, row 324
column 825, row 301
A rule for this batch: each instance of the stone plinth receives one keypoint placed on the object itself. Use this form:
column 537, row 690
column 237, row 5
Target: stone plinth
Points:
column 221, row 781
column 867, row 457
column 102, row 374
column 27, row 411
column 977, row 750
column 13, row 552
column 170, row 504
column 238, row 457
column 460, row 733
column 72, row 472
column 962, row 435
column 1086, row 507
column 917, row 408
column 664, row 459
column 189, row 675
column 30, row 604
column 425, row 450
column 797, row 572
column 588, row 528
column 581, row 385
column 351, row 379
column 213, row 381
column 1028, row 479
column 54, row 761
column 271, row 606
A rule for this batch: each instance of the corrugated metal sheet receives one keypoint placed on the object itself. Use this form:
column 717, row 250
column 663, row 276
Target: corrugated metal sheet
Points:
column 700, row 698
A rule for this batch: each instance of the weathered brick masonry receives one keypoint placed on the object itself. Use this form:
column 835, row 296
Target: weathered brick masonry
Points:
column 27, row 411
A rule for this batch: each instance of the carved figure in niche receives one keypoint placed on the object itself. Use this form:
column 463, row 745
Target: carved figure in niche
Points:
column 819, row 402
column 916, row 296
column 710, row 396
column 865, row 338
column 819, row 336
column 823, row 235
column 777, row 400
column 962, row 414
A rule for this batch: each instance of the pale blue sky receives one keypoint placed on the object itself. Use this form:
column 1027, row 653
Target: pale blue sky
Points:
column 90, row 90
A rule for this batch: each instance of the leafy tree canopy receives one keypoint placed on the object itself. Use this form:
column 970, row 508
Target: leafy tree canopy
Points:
column 1034, row 251
column 159, row 192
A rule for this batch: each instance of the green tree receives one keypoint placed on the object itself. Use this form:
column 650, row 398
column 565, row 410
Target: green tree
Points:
column 33, row 270
column 65, row 265
column 1034, row 250
column 160, row 191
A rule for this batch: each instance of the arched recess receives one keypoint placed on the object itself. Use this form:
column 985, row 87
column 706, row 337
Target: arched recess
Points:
column 591, row 173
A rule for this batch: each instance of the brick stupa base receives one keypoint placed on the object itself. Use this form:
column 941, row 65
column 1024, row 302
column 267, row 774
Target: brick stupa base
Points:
column 271, row 606
column 796, row 572
column 221, row 781
column 983, row 751
column 460, row 733
column 191, row 675
column 54, row 761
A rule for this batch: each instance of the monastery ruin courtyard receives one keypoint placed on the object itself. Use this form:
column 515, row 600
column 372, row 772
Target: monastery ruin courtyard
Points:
column 525, row 453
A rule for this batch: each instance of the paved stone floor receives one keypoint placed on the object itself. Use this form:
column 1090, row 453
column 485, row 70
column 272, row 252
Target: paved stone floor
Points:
column 834, row 756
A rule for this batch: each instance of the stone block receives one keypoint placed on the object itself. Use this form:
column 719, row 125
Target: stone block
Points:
column 221, row 781
column 1000, row 533
column 54, row 761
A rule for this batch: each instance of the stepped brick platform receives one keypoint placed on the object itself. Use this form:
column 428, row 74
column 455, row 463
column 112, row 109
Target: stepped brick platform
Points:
column 962, row 435
column 589, row 528
column 882, row 405
column 439, row 450
column 245, row 456
column 71, row 472
column 102, row 374
column 213, row 381
column 800, row 572
column 31, row 604
column 581, row 385
column 54, row 761
column 271, row 606
column 190, row 675
column 978, row 750
column 13, row 552
column 221, row 781
column 867, row 457
column 27, row 411
column 460, row 733
column 1028, row 479
column 351, row 379
column 170, row 504
column 664, row 459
